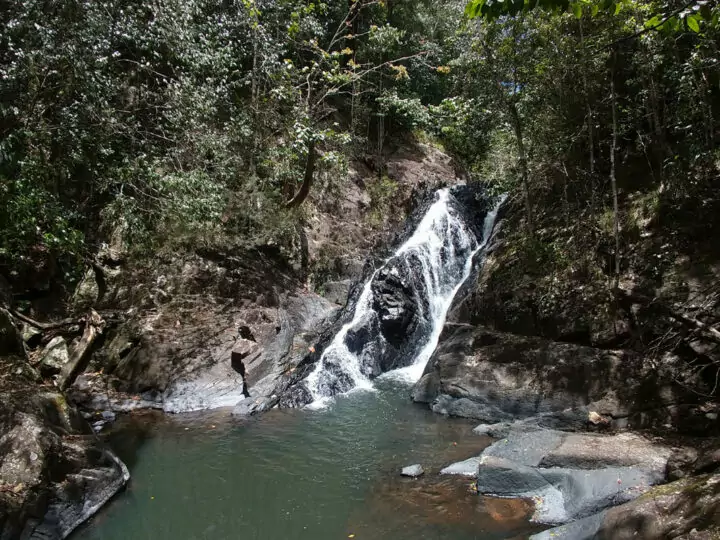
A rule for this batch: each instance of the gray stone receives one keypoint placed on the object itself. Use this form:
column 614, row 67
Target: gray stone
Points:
column 582, row 529
column 337, row 291
column 467, row 408
column 55, row 464
column 591, row 451
column 687, row 508
column 87, row 292
column 187, row 364
column 250, row 406
column 570, row 475
column 526, row 447
column 412, row 471
column 498, row 430
column 54, row 357
column 586, row 492
column 30, row 333
column 426, row 389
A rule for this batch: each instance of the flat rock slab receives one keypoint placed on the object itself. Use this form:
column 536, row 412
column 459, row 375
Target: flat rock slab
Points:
column 549, row 448
column 526, row 447
column 568, row 475
column 585, row 451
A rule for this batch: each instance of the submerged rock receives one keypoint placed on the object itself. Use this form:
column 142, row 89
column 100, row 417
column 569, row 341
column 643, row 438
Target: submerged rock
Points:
column 412, row 471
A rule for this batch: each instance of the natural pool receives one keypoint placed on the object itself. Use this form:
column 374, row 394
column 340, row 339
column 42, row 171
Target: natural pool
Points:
column 302, row 474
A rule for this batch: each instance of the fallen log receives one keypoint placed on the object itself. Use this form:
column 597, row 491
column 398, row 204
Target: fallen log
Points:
column 94, row 326
column 44, row 326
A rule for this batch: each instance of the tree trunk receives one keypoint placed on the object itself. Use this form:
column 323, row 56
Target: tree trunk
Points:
column 304, row 250
column 304, row 190
column 253, row 99
column 380, row 135
column 613, row 181
column 588, row 107
column 517, row 127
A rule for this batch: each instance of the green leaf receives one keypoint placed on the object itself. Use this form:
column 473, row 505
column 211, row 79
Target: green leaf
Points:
column 652, row 23
column 618, row 7
column 693, row 23
column 577, row 10
column 474, row 8
column 594, row 9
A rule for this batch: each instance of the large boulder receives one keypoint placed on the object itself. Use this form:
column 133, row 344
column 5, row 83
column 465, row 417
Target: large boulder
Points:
column 496, row 377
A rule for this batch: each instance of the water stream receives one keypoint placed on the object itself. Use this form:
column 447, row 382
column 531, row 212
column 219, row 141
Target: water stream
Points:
column 303, row 475
column 431, row 265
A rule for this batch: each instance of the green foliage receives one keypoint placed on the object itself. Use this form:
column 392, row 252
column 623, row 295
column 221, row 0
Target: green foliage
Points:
column 670, row 18
column 381, row 192
column 408, row 112
column 190, row 122
column 181, row 121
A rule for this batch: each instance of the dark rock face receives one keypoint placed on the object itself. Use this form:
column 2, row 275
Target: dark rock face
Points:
column 396, row 303
column 497, row 377
column 10, row 340
column 400, row 301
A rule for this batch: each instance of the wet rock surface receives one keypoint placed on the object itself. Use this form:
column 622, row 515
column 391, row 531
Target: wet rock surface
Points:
column 201, row 360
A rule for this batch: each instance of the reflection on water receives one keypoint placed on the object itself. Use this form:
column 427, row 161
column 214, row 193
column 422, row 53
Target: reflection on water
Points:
column 302, row 475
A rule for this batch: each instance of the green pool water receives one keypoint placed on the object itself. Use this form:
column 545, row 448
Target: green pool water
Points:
column 302, row 474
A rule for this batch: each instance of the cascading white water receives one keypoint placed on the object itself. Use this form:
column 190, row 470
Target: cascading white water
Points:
column 444, row 246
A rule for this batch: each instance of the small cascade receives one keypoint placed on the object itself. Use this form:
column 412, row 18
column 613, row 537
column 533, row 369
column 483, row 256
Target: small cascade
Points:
column 401, row 310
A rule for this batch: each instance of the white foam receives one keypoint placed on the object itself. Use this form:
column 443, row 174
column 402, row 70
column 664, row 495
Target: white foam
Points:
column 445, row 247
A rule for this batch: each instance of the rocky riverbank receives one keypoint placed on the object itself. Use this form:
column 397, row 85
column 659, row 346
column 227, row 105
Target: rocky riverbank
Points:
column 54, row 471
column 602, row 405
column 561, row 415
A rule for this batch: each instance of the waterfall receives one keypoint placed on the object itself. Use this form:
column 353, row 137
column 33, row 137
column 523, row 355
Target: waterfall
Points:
column 401, row 310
